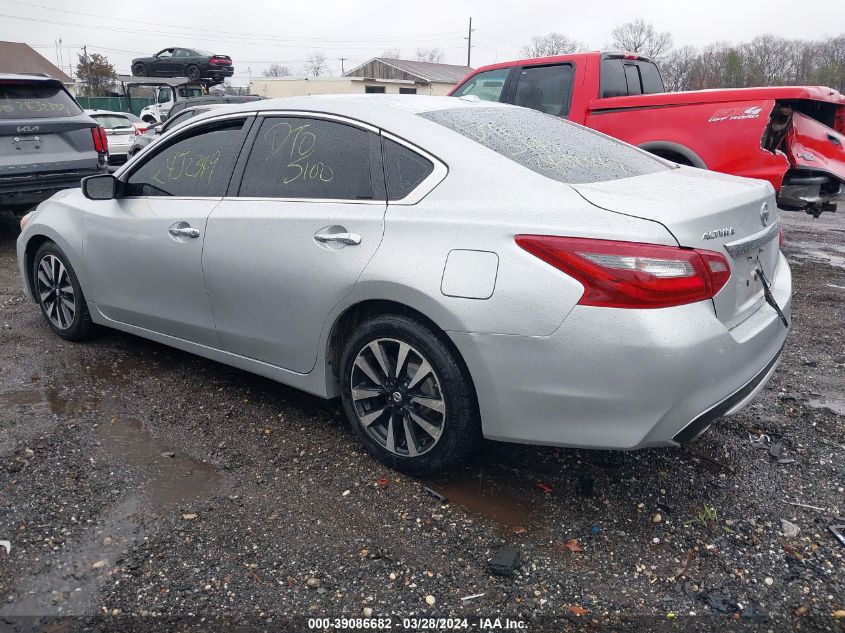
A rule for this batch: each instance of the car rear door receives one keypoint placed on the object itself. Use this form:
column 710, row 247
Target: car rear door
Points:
column 293, row 237
column 43, row 131
column 143, row 250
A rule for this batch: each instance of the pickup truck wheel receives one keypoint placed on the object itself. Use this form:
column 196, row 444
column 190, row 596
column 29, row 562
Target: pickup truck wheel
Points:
column 139, row 70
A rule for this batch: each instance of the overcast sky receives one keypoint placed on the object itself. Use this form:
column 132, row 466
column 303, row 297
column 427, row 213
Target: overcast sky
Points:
column 256, row 33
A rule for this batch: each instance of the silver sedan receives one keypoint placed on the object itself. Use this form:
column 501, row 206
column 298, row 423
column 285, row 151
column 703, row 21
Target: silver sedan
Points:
column 451, row 269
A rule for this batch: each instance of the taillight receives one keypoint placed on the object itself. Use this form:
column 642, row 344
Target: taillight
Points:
column 220, row 61
column 631, row 274
column 101, row 143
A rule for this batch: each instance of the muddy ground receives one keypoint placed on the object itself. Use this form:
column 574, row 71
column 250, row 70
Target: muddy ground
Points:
column 142, row 485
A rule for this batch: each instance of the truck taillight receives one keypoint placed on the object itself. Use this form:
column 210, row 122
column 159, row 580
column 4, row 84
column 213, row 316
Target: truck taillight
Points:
column 101, row 142
column 631, row 274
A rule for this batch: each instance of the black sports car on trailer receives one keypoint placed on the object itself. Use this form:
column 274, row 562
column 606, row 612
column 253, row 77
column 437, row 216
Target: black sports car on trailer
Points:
column 193, row 63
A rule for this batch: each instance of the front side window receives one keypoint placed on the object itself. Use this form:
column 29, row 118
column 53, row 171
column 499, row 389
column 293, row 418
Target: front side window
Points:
column 405, row 169
column 31, row 100
column 295, row 157
column 163, row 95
column 548, row 145
column 545, row 88
column 487, row 86
column 198, row 164
column 165, row 54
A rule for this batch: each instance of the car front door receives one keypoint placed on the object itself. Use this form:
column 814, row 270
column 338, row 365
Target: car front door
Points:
column 143, row 251
column 307, row 217
column 164, row 64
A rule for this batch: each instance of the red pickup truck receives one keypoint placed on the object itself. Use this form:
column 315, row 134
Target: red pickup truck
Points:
column 792, row 136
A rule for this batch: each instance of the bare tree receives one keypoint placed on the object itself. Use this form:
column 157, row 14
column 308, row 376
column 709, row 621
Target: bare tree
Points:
column 431, row 55
column 277, row 70
column 392, row 53
column 551, row 44
column 226, row 88
column 678, row 68
column 641, row 37
column 767, row 61
column 315, row 64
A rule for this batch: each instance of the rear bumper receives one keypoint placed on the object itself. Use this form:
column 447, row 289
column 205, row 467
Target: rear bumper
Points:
column 624, row 379
column 37, row 187
column 804, row 189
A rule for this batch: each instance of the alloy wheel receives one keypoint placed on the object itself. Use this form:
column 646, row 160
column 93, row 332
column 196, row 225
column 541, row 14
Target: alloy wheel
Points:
column 55, row 292
column 397, row 397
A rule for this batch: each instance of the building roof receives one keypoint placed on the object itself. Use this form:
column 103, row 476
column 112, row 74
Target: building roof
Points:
column 17, row 57
column 426, row 71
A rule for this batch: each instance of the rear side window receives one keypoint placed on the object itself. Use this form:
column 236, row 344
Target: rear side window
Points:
column 111, row 121
column 23, row 100
column 545, row 89
column 548, row 145
column 623, row 77
column 405, row 169
column 632, row 76
column 296, row 157
column 487, row 86
column 198, row 164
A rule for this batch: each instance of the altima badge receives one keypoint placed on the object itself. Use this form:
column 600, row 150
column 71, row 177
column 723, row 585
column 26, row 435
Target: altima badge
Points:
column 712, row 235
column 764, row 213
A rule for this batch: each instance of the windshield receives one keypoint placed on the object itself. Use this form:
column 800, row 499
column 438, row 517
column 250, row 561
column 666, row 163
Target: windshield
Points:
column 548, row 145
column 190, row 92
column 28, row 100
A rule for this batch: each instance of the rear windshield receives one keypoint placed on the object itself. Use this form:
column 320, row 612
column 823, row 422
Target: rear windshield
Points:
column 110, row 121
column 548, row 145
column 25, row 100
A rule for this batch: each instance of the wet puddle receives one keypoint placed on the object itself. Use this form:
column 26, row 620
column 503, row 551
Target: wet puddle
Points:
column 58, row 400
column 837, row 405
column 167, row 480
column 490, row 492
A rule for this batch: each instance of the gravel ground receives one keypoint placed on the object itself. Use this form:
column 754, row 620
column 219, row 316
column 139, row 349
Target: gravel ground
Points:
column 145, row 488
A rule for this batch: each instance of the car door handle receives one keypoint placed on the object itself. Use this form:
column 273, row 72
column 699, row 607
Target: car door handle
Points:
column 349, row 239
column 184, row 231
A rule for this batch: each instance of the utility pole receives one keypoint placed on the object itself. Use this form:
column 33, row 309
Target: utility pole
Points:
column 342, row 59
column 468, row 38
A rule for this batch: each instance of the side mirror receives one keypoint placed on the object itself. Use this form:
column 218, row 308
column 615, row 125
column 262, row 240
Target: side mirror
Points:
column 100, row 187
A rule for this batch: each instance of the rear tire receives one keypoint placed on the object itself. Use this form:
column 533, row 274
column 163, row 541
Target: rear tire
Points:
column 420, row 417
column 139, row 70
column 193, row 72
column 57, row 290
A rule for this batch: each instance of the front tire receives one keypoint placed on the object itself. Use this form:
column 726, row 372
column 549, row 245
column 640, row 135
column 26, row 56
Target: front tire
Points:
column 57, row 290
column 408, row 397
column 139, row 70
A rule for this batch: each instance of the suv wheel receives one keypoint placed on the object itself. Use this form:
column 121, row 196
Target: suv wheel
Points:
column 57, row 291
column 407, row 396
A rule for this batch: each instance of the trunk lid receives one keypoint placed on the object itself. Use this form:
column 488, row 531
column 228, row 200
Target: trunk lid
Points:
column 735, row 217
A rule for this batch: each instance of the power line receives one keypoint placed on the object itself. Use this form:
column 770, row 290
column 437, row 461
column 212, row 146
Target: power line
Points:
column 247, row 36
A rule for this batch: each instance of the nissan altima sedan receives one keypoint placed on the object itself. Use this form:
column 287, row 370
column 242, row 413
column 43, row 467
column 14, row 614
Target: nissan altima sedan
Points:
column 451, row 269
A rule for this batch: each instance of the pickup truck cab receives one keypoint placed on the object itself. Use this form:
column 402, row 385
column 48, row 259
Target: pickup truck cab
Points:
column 792, row 136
